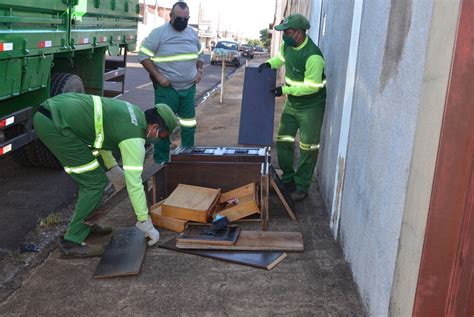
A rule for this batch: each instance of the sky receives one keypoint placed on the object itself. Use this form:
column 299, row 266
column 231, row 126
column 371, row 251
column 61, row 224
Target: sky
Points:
column 245, row 17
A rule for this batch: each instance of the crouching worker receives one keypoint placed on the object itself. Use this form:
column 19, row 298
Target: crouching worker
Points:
column 78, row 128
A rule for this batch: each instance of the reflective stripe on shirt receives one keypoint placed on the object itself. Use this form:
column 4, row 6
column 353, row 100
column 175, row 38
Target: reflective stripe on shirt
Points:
column 132, row 168
column 146, row 51
column 98, row 122
column 308, row 83
column 175, row 58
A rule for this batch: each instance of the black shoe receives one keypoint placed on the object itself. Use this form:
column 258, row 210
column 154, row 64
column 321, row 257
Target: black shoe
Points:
column 298, row 195
column 71, row 250
column 290, row 187
column 101, row 231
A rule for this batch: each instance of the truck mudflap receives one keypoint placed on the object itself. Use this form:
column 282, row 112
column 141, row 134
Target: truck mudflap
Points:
column 13, row 141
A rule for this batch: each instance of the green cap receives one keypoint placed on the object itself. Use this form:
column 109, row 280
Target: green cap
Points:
column 294, row 21
column 167, row 115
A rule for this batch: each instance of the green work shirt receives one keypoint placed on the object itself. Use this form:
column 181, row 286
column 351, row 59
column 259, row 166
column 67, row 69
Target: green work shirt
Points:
column 124, row 128
column 305, row 82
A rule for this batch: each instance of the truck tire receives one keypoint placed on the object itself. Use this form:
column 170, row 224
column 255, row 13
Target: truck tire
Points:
column 65, row 82
column 36, row 153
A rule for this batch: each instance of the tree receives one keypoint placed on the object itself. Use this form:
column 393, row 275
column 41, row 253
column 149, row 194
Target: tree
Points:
column 265, row 38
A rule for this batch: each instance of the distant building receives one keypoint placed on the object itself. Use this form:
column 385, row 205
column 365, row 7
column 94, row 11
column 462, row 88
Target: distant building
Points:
column 153, row 13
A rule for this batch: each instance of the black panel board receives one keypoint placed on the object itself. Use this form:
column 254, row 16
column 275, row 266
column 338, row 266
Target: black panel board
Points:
column 258, row 107
column 259, row 259
column 124, row 254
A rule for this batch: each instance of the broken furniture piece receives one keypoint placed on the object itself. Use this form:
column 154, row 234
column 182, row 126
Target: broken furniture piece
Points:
column 123, row 255
column 254, row 241
column 192, row 203
column 280, row 190
column 201, row 234
column 239, row 203
column 226, row 168
column 259, row 259
column 169, row 223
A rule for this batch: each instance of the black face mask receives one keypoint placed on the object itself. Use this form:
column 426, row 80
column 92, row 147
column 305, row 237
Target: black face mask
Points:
column 180, row 24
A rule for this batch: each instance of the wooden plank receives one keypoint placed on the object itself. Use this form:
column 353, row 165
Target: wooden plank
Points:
column 256, row 241
column 169, row 223
column 197, row 234
column 119, row 196
column 259, row 259
column 281, row 193
column 189, row 202
column 258, row 107
column 124, row 254
column 264, row 193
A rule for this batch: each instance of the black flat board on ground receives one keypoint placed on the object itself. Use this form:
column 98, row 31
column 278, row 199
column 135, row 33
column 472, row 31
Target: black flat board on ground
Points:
column 258, row 107
column 124, row 254
column 200, row 234
column 259, row 259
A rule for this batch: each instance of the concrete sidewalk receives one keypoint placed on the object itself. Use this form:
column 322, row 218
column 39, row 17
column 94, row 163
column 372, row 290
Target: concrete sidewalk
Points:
column 315, row 282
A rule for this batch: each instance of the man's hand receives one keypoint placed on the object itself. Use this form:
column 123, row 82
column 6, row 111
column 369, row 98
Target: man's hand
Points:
column 277, row 91
column 263, row 66
column 149, row 230
column 198, row 76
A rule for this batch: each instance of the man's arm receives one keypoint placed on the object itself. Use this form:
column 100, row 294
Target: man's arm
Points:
column 279, row 59
column 313, row 78
column 133, row 157
column 155, row 75
column 199, row 62
column 147, row 51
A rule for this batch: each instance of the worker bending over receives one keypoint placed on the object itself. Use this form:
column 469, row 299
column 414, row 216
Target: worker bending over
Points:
column 78, row 128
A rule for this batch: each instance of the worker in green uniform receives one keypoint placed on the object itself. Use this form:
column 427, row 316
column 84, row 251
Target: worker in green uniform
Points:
column 78, row 128
column 173, row 57
column 305, row 88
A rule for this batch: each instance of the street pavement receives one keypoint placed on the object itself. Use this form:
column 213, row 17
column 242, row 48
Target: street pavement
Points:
column 316, row 282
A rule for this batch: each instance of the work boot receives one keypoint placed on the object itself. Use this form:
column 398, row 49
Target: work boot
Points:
column 298, row 195
column 70, row 250
column 290, row 187
column 101, row 231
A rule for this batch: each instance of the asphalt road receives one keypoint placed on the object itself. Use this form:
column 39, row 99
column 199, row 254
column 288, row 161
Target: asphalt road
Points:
column 29, row 194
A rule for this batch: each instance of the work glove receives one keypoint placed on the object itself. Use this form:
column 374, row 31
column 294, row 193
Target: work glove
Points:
column 263, row 66
column 150, row 232
column 277, row 91
column 115, row 176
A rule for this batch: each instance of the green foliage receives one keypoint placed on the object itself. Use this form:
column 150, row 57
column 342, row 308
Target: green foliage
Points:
column 265, row 38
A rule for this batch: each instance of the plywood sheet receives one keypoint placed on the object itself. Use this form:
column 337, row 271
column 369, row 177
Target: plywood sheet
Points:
column 246, row 206
column 259, row 259
column 256, row 241
column 258, row 107
column 123, row 255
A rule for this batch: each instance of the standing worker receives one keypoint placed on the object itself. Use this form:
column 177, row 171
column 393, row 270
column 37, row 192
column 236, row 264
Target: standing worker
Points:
column 305, row 87
column 172, row 55
column 78, row 128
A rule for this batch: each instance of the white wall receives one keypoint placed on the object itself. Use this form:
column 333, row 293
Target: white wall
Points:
column 391, row 57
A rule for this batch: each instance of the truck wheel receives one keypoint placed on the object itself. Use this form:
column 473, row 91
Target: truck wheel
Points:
column 65, row 82
column 37, row 152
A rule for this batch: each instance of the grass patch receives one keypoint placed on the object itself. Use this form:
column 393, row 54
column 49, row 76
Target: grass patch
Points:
column 53, row 220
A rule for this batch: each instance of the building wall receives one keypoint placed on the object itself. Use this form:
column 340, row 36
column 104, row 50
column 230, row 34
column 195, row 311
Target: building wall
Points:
column 334, row 44
column 388, row 85
column 428, row 125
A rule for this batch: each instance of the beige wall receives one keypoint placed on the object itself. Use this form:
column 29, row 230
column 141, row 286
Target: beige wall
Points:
column 428, row 126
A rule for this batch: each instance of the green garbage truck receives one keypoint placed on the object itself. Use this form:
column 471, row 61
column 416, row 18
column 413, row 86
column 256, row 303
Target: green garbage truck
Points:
column 49, row 47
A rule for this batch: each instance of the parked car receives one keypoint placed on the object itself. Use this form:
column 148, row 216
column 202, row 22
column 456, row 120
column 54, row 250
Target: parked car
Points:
column 247, row 51
column 227, row 51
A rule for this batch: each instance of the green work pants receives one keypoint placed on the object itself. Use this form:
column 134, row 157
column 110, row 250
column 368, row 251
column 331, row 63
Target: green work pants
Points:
column 76, row 155
column 182, row 103
column 308, row 121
